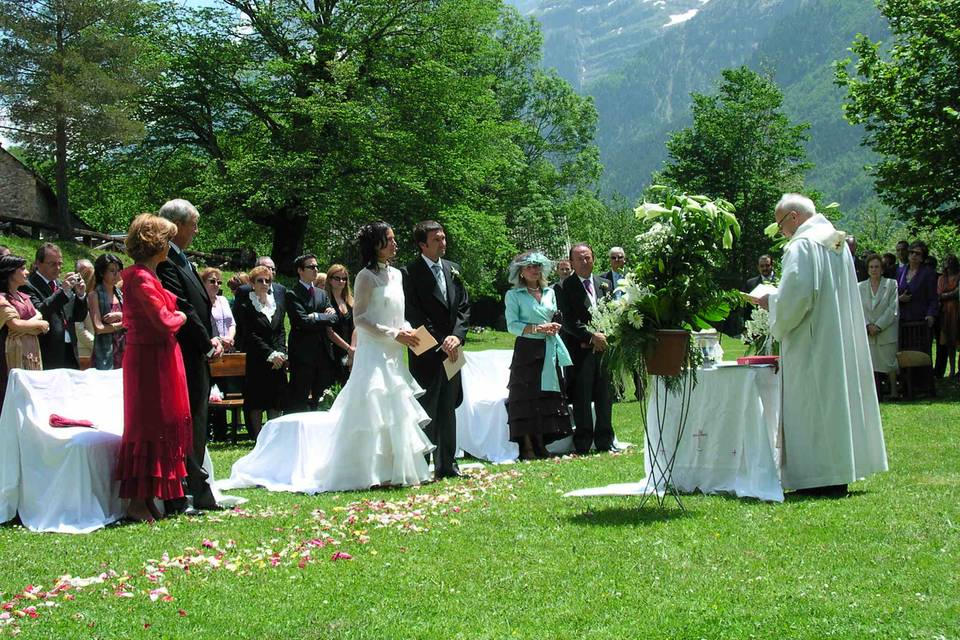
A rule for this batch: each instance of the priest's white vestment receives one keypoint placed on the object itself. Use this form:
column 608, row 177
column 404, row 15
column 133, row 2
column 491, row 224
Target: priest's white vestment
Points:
column 831, row 418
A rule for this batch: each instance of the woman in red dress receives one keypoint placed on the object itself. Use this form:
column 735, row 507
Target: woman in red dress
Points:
column 157, row 429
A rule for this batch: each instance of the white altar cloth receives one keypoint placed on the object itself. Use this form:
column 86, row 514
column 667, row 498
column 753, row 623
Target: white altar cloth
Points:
column 61, row 479
column 730, row 441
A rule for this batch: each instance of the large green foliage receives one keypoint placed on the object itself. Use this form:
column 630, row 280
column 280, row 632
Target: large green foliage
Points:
column 742, row 148
column 70, row 73
column 310, row 121
column 907, row 95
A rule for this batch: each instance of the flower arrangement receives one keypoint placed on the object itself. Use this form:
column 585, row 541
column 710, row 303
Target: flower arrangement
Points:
column 756, row 334
column 673, row 284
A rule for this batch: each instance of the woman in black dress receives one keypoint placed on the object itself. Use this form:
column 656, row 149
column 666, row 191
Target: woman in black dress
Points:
column 261, row 315
column 337, row 286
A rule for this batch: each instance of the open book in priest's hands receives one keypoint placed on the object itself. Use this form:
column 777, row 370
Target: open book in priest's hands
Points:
column 762, row 289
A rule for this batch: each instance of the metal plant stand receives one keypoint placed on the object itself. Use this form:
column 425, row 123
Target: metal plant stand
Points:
column 659, row 475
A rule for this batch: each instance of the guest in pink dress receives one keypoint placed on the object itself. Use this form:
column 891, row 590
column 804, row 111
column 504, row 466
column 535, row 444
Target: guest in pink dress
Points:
column 21, row 322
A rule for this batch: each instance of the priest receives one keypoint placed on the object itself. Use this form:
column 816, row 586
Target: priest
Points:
column 831, row 418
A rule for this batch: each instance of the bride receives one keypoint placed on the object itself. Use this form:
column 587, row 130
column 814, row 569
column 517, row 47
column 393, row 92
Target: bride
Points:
column 372, row 435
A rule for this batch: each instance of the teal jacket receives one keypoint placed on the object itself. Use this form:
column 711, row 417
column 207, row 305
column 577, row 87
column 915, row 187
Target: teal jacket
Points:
column 523, row 309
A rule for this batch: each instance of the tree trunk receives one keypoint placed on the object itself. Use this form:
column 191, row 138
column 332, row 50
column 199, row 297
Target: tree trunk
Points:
column 288, row 238
column 64, row 224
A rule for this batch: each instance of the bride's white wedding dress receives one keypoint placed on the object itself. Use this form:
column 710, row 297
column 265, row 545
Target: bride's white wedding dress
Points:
column 372, row 435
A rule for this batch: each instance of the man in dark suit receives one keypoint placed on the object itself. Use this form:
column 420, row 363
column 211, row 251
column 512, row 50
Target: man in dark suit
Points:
column 589, row 383
column 197, row 344
column 310, row 352
column 765, row 269
column 436, row 298
column 62, row 303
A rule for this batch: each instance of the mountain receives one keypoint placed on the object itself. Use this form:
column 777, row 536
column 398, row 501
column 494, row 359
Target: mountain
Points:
column 641, row 59
column 586, row 39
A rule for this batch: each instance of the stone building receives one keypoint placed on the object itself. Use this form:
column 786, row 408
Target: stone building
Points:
column 25, row 197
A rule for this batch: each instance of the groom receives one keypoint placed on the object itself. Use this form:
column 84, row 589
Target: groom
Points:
column 436, row 298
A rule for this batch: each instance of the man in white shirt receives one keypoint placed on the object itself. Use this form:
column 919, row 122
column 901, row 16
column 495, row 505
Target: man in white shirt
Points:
column 831, row 419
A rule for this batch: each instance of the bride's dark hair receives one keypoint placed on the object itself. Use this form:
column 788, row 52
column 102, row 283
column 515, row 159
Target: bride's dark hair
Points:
column 372, row 237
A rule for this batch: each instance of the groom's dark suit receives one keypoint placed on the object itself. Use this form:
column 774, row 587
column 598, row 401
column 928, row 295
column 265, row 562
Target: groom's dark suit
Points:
column 590, row 377
column 60, row 311
column 180, row 278
column 443, row 316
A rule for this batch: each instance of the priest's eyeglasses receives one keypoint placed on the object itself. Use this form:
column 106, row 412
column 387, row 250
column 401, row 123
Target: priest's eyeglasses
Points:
column 784, row 217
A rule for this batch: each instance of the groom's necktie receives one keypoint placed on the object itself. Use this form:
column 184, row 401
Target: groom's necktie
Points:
column 438, row 274
column 588, row 286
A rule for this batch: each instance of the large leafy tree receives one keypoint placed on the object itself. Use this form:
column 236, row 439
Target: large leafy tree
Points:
column 313, row 117
column 907, row 95
column 70, row 72
column 743, row 148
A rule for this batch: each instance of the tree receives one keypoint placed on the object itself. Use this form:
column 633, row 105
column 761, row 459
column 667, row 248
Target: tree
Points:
column 315, row 117
column 741, row 147
column 907, row 95
column 69, row 74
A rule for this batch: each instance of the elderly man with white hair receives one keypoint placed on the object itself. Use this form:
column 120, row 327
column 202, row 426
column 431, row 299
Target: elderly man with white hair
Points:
column 197, row 344
column 831, row 419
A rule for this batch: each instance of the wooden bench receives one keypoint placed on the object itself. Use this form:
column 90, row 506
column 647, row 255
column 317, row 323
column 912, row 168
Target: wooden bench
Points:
column 230, row 365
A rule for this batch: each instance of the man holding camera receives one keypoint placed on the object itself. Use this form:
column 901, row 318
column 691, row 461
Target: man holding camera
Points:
column 61, row 302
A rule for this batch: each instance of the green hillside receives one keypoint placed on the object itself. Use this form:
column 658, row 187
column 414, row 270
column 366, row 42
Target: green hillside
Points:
column 648, row 96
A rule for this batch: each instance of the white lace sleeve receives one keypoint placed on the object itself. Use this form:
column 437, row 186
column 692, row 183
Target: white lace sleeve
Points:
column 363, row 316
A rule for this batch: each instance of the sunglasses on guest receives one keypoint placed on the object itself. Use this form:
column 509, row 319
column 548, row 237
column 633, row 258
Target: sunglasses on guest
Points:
column 339, row 278
column 263, row 281
column 215, row 281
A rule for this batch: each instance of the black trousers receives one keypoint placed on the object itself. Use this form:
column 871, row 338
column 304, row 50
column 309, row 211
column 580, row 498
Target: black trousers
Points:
column 591, row 388
column 439, row 402
column 308, row 381
column 198, row 390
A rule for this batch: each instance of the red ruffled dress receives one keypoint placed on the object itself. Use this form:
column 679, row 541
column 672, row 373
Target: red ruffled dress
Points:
column 157, row 429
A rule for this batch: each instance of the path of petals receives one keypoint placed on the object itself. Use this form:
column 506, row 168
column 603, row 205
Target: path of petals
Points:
column 321, row 538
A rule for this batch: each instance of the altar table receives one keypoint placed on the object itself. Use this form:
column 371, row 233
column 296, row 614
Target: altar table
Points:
column 730, row 441
column 731, row 438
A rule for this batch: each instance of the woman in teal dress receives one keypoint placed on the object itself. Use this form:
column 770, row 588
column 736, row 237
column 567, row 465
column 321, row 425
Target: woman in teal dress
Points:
column 536, row 404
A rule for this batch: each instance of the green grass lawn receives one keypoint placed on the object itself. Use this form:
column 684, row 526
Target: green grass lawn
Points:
column 502, row 555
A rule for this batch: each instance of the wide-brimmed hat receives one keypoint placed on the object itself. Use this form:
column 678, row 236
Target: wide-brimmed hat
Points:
column 528, row 260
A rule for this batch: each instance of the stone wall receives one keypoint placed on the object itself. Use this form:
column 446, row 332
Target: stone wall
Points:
column 22, row 194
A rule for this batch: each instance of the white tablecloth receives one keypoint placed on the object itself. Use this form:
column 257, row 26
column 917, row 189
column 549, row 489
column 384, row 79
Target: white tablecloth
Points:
column 730, row 439
column 61, row 479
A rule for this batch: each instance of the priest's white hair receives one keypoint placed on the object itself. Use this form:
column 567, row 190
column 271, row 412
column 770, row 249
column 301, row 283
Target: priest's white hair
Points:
column 796, row 202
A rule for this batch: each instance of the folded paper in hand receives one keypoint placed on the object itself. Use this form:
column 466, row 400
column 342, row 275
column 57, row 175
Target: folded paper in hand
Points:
column 427, row 341
column 453, row 366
